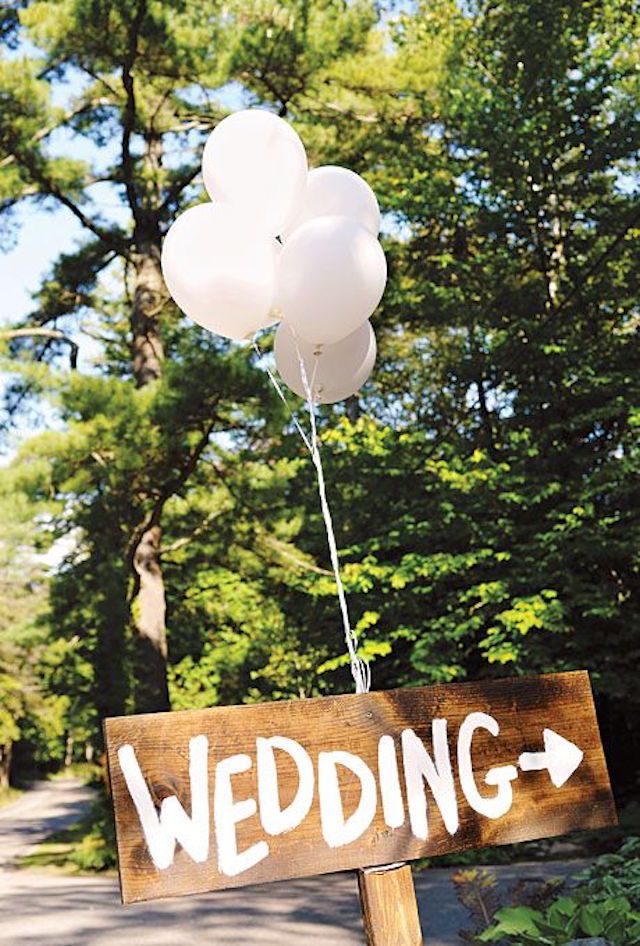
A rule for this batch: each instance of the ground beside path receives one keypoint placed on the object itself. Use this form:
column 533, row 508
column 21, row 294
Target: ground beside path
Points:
column 46, row 807
column 51, row 909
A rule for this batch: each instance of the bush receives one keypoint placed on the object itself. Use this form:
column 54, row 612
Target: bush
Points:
column 614, row 875
column 95, row 850
column 605, row 903
column 566, row 919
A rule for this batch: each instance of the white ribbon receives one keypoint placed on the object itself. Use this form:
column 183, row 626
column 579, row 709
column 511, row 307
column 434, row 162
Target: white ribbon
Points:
column 360, row 669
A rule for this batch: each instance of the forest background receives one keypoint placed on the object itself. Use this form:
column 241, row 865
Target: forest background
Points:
column 161, row 540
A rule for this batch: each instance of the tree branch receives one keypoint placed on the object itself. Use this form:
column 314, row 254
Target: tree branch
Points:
column 129, row 113
column 114, row 240
column 48, row 333
column 597, row 263
column 173, row 486
column 174, row 191
column 281, row 549
column 49, row 129
column 185, row 539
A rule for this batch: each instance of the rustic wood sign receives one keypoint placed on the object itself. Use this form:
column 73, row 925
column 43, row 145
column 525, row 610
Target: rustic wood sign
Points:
column 206, row 799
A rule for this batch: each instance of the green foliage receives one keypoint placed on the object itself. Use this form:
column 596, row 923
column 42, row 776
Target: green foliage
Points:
column 484, row 485
column 94, row 849
column 606, row 903
column 613, row 919
column 614, row 875
column 29, row 710
column 86, row 847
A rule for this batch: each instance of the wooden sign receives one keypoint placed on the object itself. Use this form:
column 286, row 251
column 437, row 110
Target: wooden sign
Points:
column 206, row 799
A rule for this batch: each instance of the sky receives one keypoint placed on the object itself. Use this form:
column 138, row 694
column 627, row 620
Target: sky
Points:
column 41, row 233
column 40, row 237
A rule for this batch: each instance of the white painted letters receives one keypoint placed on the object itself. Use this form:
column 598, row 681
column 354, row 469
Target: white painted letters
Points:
column 392, row 806
column 173, row 824
column 426, row 772
column 274, row 819
column 227, row 813
column 502, row 775
column 420, row 768
column 335, row 829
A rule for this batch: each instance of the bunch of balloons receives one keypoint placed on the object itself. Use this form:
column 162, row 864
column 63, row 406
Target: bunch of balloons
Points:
column 280, row 243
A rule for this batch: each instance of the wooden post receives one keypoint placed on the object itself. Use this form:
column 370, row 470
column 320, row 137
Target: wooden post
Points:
column 389, row 907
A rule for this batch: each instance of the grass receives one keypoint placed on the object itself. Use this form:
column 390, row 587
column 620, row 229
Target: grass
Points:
column 86, row 847
column 89, row 772
column 8, row 795
column 80, row 849
column 56, row 850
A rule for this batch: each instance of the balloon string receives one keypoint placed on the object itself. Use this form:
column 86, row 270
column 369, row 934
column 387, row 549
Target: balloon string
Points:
column 282, row 396
column 360, row 670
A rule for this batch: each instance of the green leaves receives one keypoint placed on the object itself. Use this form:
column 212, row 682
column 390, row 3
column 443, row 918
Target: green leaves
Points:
column 604, row 904
column 615, row 875
column 484, row 486
column 535, row 612
column 512, row 921
column 612, row 919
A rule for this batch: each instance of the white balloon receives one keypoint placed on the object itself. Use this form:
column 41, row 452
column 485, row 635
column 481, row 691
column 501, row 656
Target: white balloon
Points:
column 331, row 276
column 335, row 190
column 221, row 270
column 255, row 160
column 334, row 372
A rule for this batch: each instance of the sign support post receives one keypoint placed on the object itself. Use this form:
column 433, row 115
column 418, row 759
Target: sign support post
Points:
column 389, row 906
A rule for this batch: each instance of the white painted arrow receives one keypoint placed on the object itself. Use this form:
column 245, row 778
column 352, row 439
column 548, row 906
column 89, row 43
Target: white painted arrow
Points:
column 560, row 757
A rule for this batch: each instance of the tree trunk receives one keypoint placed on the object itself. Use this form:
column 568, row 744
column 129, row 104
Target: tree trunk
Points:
column 6, row 752
column 147, row 353
column 557, row 257
column 148, row 612
column 485, row 415
column 68, row 750
column 111, row 585
column 148, row 605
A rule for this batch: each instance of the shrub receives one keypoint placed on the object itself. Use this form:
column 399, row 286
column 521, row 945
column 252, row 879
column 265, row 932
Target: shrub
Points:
column 605, row 903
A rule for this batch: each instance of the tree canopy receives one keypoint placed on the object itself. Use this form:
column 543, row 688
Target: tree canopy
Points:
column 485, row 482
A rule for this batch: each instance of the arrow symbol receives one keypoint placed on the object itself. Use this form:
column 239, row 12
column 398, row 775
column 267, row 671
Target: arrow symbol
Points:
column 560, row 757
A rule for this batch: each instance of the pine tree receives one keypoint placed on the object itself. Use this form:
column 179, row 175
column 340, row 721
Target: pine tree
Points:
column 149, row 82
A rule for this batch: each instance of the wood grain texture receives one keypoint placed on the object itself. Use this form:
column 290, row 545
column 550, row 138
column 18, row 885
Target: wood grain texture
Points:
column 389, row 907
column 523, row 707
